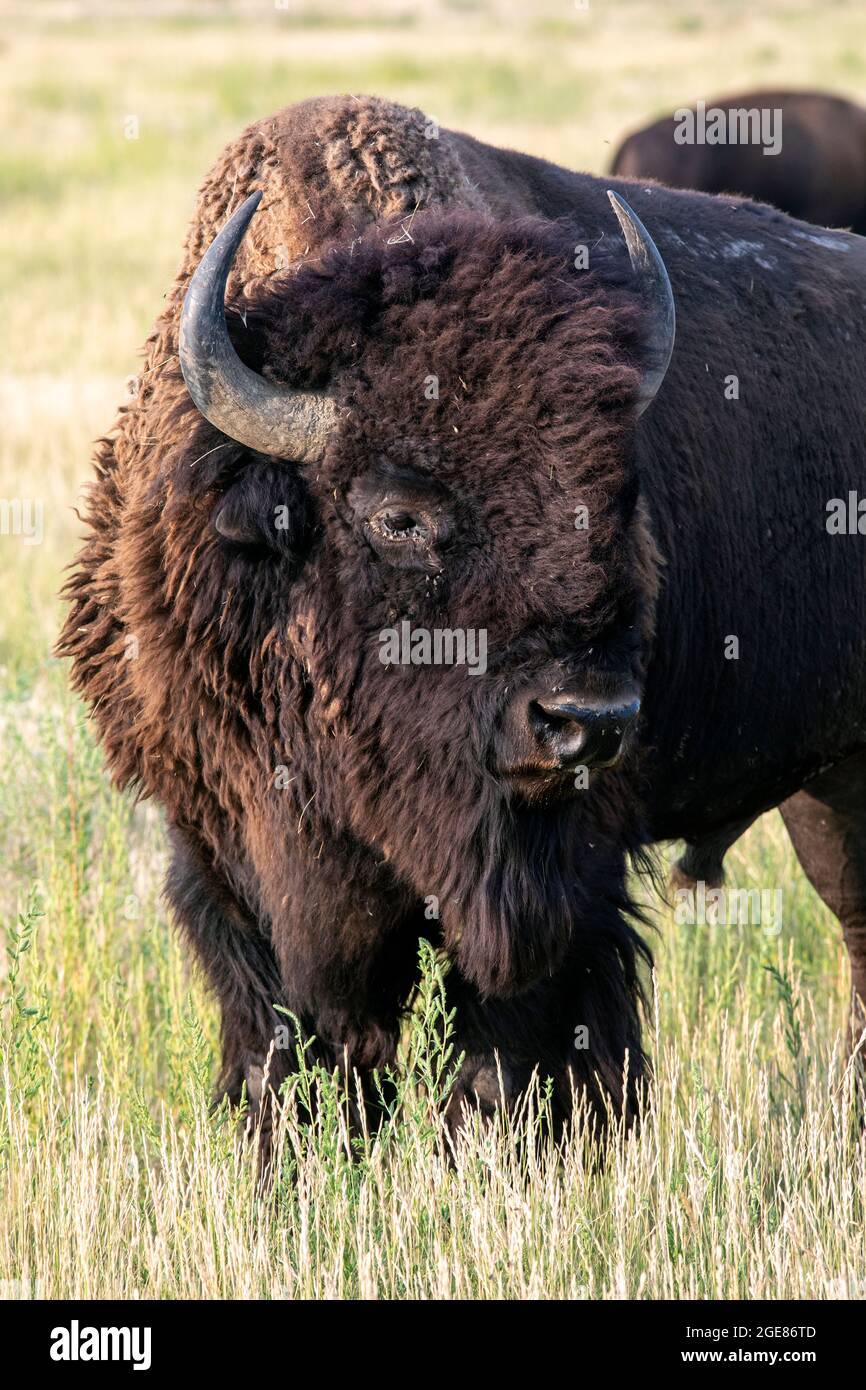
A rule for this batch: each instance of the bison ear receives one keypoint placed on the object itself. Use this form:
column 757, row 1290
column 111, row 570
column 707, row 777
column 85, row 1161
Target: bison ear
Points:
column 266, row 507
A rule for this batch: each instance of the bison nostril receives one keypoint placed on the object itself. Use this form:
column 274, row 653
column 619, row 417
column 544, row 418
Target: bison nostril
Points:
column 546, row 718
column 559, row 729
column 577, row 733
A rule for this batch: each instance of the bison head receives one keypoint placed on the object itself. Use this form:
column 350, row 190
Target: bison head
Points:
column 412, row 582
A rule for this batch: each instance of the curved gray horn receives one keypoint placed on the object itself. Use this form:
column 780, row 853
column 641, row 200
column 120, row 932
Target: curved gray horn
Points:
column 657, row 293
column 272, row 419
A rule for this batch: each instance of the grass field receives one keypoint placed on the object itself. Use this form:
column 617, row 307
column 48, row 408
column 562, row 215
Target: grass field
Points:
column 748, row 1178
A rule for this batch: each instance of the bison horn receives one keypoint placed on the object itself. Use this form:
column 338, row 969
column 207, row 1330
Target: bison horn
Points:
column 646, row 261
column 269, row 418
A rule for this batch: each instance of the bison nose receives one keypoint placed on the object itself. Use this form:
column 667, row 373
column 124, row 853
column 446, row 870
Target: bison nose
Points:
column 578, row 733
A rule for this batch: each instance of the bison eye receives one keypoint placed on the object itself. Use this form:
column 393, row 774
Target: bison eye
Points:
column 402, row 527
column 405, row 531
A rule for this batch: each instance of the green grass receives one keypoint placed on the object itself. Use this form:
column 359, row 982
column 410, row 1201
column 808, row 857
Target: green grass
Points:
column 747, row 1178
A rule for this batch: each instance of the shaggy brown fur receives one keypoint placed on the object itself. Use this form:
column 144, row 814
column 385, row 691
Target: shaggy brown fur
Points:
column 317, row 799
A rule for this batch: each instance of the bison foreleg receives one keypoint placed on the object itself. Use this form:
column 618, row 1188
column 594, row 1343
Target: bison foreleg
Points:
column 578, row 1030
column 240, row 967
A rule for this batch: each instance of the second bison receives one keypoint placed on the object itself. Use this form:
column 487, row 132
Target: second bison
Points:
column 814, row 167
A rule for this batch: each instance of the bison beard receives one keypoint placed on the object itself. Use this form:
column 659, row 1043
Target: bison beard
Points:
column 541, row 918
column 534, row 911
column 514, row 883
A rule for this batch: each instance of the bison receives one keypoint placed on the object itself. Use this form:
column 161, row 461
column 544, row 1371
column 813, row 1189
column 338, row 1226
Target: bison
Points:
column 816, row 170
column 406, row 383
